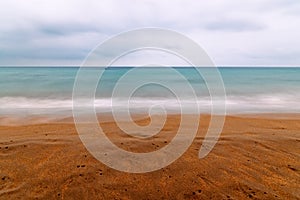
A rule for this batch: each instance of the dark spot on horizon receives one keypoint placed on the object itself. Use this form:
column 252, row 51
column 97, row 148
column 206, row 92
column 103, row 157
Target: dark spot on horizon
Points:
column 82, row 165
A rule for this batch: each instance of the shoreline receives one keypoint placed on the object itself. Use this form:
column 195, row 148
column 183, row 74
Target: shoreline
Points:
column 15, row 120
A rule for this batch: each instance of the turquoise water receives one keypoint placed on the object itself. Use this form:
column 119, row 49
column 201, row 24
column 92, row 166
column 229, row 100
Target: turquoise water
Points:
column 40, row 90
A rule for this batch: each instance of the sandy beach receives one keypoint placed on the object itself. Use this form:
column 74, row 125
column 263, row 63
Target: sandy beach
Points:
column 256, row 157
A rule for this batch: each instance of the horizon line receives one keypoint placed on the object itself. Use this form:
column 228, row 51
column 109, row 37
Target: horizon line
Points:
column 149, row 66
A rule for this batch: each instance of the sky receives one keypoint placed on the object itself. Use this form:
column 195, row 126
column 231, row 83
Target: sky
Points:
column 232, row 32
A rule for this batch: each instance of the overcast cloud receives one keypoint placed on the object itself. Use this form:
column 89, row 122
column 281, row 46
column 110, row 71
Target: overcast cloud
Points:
column 56, row 32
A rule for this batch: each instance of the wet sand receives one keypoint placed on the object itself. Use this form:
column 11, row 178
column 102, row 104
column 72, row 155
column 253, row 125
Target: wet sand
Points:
column 256, row 157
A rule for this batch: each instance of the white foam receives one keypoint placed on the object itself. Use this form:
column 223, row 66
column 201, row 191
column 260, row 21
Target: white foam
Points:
column 234, row 104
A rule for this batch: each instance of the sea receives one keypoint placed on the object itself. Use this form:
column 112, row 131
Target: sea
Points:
column 49, row 90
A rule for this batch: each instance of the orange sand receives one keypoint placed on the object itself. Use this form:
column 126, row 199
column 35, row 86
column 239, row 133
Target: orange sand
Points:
column 256, row 157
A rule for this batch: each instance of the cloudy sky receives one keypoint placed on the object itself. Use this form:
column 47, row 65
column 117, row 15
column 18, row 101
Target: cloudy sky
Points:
column 233, row 32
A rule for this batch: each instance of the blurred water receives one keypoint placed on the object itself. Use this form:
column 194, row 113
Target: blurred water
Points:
column 35, row 90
